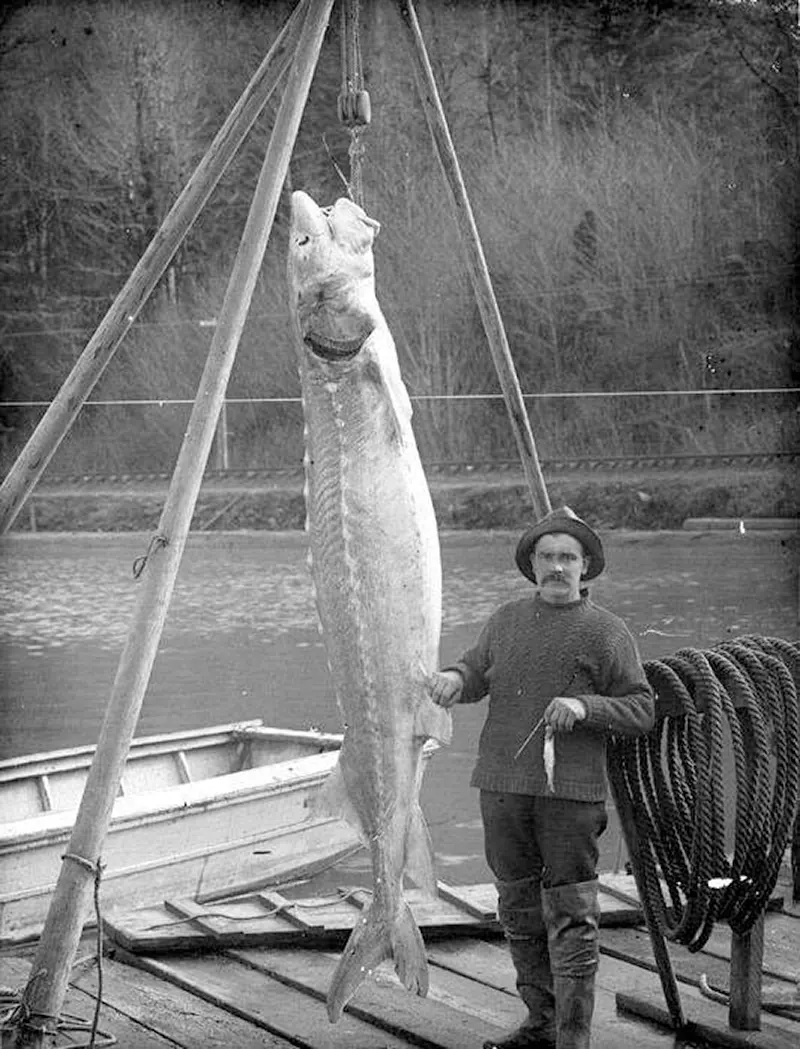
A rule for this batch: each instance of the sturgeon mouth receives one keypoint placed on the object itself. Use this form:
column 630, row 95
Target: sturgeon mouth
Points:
column 336, row 349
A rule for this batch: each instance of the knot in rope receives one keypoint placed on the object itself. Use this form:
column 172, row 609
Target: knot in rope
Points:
column 715, row 857
column 96, row 869
column 140, row 563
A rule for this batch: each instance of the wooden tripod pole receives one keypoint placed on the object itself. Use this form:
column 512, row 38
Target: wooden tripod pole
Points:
column 666, row 973
column 475, row 261
column 60, row 415
column 504, row 364
column 47, row 986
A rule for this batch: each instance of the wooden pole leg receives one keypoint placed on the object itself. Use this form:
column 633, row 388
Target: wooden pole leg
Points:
column 747, row 957
column 477, row 270
column 65, row 918
column 666, row 973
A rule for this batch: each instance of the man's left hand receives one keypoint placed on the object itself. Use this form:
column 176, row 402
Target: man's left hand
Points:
column 563, row 713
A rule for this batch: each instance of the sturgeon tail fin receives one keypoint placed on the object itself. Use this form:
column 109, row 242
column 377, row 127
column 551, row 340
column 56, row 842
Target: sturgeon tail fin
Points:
column 372, row 940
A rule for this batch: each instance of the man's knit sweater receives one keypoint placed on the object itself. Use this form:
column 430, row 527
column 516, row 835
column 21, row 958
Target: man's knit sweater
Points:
column 530, row 651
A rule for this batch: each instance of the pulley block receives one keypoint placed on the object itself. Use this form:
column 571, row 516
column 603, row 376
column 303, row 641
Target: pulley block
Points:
column 354, row 108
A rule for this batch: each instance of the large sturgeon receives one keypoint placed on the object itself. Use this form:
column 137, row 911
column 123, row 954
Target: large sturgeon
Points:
column 374, row 553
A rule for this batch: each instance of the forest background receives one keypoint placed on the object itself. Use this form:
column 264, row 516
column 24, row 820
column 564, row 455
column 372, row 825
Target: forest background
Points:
column 633, row 168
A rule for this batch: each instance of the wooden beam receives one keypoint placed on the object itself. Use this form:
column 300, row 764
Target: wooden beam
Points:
column 102, row 346
column 475, row 261
column 666, row 973
column 58, row 945
column 747, row 959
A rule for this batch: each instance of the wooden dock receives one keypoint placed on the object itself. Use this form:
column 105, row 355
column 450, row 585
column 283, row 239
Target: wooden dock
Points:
column 213, row 995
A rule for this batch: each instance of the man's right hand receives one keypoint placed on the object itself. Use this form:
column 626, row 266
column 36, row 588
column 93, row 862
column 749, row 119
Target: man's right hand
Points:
column 445, row 687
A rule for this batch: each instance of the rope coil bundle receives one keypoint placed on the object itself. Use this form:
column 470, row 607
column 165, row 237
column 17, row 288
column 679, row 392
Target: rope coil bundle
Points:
column 740, row 696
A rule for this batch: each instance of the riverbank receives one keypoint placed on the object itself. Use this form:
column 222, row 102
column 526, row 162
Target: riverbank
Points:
column 641, row 500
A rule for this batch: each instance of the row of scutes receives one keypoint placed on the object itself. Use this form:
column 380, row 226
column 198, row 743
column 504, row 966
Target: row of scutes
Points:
column 739, row 698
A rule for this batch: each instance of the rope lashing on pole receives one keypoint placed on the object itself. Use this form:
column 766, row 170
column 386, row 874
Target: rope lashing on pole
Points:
column 741, row 694
column 354, row 107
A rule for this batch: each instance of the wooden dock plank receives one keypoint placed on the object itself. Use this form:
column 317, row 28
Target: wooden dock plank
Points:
column 381, row 1000
column 634, row 945
column 273, row 919
column 491, row 964
column 173, row 1012
column 473, row 899
column 452, row 1017
column 271, row 1006
column 129, row 1031
column 705, row 1021
column 459, row 1013
column 226, row 923
column 781, row 946
column 287, row 909
column 488, row 963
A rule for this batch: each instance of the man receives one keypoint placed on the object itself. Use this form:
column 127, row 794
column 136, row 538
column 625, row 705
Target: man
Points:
column 563, row 674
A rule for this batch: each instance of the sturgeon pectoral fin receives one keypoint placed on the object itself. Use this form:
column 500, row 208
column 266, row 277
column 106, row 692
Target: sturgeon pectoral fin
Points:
column 398, row 413
column 398, row 403
column 419, row 864
column 433, row 722
column 371, row 941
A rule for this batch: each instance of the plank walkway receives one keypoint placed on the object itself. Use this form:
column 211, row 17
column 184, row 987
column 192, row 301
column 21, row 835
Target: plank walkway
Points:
column 273, row 996
column 270, row 919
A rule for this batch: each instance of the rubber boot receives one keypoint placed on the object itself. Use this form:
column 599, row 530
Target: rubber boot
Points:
column 519, row 909
column 572, row 916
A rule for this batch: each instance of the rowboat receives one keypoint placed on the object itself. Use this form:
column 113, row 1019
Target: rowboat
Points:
column 208, row 813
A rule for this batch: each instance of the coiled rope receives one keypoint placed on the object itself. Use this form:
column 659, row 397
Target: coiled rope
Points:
column 740, row 696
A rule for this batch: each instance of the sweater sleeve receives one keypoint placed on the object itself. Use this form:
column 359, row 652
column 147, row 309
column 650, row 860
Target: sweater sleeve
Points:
column 475, row 666
column 625, row 703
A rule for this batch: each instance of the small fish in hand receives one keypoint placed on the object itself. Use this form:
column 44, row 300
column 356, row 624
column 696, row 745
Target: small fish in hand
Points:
column 550, row 758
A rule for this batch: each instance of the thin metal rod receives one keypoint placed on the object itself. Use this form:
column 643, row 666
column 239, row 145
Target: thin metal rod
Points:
column 55, row 955
column 475, row 261
column 529, row 737
column 55, row 423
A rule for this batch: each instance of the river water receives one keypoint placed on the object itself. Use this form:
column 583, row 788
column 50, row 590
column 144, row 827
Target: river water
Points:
column 241, row 639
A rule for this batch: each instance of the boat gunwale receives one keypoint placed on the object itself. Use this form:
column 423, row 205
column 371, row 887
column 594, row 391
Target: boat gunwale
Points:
column 184, row 800
column 181, row 801
column 43, row 763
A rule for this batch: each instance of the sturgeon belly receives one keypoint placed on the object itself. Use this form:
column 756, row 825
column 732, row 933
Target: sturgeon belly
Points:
column 374, row 552
column 375, row 563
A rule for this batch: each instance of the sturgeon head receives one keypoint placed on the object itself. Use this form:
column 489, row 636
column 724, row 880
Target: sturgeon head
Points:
column 332, row 272
column 374, row 554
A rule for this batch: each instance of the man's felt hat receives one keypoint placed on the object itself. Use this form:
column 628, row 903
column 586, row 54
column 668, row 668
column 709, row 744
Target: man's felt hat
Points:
column 561, row 520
